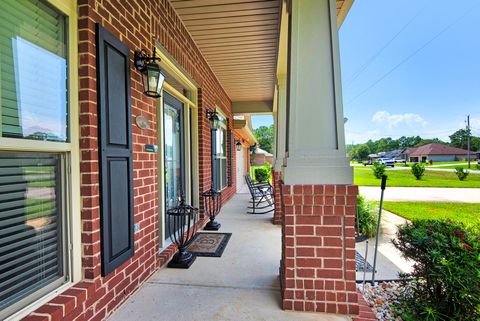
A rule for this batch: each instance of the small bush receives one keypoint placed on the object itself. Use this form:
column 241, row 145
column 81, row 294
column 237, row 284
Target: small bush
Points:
column 262, row 174
column 445, row 282
column 461, row 173
column 367, row 217
column 477, row 166
column 418, row 170
column 379, row 169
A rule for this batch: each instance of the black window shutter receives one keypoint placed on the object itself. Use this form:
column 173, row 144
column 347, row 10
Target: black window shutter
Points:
column 214, row 159
column 115, row 139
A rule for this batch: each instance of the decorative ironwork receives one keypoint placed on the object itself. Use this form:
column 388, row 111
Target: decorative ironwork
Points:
column 181, row 227
column 212, row 203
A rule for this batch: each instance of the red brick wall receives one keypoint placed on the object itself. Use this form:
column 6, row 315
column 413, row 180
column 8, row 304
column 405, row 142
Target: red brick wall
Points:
column 258, row 159
column 138, row 23
column 318, row 246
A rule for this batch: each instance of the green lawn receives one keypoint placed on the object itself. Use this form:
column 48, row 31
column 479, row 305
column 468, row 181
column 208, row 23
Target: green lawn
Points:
column 468, row 213
column 364, row 177
column 473, row 166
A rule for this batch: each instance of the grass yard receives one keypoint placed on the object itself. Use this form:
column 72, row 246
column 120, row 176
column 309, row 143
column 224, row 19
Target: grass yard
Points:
column 473, row 166
column 468, row 213
column 364, row 177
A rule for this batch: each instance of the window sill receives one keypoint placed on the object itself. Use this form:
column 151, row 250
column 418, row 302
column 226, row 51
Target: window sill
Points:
column 60, row 305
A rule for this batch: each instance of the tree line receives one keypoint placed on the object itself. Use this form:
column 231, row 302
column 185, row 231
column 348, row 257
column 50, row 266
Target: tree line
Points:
column 458, row 139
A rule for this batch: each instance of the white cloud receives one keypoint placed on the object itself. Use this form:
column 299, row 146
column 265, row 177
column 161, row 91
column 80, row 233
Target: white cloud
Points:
column 392, row 120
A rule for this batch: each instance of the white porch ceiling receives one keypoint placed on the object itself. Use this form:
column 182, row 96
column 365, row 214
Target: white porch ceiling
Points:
column 239, row 39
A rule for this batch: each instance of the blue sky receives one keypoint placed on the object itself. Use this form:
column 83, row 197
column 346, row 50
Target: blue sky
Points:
column 261, row 120
column 410, row 67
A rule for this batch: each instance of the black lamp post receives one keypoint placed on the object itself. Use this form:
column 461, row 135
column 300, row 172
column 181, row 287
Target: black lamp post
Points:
column 181, row 228
column 212, row 199
column 152, row 76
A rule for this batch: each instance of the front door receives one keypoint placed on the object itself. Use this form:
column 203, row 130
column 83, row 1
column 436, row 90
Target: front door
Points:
column 240, row 170
column 174, row 153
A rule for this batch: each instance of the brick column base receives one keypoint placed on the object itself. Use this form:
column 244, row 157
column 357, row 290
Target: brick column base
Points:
column 277, row 188
column 318, row 248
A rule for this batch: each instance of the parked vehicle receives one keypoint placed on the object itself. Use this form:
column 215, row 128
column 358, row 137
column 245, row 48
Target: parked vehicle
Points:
column 369, row 162
column 386, row 161
column 399, row 160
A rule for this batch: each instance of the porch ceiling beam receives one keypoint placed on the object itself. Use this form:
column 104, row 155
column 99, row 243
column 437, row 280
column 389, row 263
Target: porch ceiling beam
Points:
column 239, row 123
column 242, row 107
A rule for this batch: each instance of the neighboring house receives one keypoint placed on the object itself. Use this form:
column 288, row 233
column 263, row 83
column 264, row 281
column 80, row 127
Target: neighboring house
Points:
column 244, row 138
column 260, row 156
column 398, row 153
column 438, row 153
column 95, row 148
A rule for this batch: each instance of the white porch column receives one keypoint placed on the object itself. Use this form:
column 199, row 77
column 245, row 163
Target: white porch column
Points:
column 281, row 124
column 316, row 142
column 318, row 198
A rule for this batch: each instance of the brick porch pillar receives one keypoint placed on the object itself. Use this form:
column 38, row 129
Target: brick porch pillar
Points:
column 318, row 243
column 277, row 188
column 318, row 195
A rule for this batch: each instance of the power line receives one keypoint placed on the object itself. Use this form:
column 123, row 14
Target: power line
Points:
column 357, row 73
column 411, row 55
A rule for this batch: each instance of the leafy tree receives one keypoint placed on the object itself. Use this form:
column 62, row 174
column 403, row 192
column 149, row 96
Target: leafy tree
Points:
column 264, row 135
column 430, row 141
column 360, row 152
column 460, row 139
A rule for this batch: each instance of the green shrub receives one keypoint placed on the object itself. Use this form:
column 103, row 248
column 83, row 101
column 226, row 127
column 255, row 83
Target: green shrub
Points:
column 379, row 169
column 445, row 282
column 477, row 166
column 366, row 217
column 461, row 173
column 418, row 170
column 262, row 174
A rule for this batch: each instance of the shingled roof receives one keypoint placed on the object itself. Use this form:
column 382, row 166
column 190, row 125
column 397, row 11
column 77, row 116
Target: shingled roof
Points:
column 436, row 149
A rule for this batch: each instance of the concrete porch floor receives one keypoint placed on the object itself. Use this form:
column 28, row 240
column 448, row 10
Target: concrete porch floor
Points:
column 241, row 285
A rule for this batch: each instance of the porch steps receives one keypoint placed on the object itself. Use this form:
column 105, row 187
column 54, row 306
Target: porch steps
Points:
column 366, row 312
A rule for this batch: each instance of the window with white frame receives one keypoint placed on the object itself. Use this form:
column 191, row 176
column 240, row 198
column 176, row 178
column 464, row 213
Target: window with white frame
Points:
column 35, row 152
column 220, row 179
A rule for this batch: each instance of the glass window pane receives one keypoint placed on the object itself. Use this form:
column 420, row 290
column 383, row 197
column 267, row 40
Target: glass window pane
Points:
column 33, row 71
column 224, row 173
column 31, row 249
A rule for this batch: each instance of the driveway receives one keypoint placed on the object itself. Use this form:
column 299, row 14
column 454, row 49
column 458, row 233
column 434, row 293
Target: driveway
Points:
column 423, row 194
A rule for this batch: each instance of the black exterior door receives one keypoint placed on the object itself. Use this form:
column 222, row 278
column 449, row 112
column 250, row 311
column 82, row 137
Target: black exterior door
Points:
column 115, row 141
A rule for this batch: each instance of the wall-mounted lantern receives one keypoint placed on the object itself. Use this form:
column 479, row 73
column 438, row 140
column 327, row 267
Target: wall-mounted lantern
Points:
column 152, row 76
column 238, row 144
column 213, row 117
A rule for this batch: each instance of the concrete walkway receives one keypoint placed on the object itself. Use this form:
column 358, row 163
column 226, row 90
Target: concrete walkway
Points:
column 241, row 285
column 422, row 194
column 389, row 260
